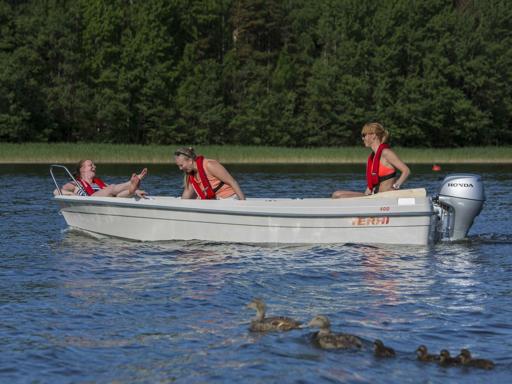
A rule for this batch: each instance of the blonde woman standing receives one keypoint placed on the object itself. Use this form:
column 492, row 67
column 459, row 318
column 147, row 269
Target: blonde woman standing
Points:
column 382, row 166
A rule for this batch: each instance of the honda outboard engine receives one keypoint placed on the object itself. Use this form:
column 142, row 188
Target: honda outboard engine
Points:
column 460, row 200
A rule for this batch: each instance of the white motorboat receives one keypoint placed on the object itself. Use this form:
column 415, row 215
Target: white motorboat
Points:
column 396, row 217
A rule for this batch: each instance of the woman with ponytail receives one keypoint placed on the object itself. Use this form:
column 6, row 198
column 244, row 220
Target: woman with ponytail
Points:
column 205, row 179
column 382, row 166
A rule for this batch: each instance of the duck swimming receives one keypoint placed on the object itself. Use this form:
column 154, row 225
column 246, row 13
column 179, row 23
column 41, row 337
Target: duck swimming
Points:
column 423, row 355
column 467, row 360
column 380, row 350
column 262, row 324
column 328, row 340
column 446, row 359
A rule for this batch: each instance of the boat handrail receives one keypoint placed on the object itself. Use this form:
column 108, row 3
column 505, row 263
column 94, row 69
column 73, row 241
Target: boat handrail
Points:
column 69, row 173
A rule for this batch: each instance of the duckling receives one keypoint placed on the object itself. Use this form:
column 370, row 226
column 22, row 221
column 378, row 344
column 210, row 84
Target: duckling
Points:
column 467, row 360
column 423, row 355
column 328, row 340
column 380, row 350
column 276, row 323
column 445, row 358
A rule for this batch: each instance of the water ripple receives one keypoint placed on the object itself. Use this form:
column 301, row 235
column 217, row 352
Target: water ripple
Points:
column 82, row 308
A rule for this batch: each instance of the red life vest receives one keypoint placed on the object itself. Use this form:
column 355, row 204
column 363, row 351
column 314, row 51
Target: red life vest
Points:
column 88, row 188
column 372, row 169
column 208, row 193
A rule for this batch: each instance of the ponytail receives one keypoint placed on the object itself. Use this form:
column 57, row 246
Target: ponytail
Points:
column 378, row 130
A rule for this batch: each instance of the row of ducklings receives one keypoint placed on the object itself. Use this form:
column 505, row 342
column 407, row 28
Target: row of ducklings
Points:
column 327, row 339
column 462, row 359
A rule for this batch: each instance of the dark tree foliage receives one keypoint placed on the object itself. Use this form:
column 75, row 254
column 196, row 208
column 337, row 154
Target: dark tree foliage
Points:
column 292, row 73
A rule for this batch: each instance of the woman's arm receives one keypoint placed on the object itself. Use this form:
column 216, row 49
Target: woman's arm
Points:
column 393, row 159
column 188, row 192
column 67, row 189
column 217, row 169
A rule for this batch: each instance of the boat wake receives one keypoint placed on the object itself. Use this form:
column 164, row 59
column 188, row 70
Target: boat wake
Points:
column 84, row 232
column 491, row 238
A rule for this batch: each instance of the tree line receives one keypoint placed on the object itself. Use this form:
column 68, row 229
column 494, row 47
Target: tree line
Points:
column 295, row 73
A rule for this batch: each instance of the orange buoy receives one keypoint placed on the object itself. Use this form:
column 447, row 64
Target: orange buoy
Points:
column 436, row 168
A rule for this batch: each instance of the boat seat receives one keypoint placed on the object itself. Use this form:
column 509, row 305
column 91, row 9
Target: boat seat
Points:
column 414, row 192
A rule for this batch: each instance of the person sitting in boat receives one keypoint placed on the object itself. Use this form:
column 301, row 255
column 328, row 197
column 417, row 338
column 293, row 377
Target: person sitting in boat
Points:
column 205, row 179
column 89, row 185
column 382, row 165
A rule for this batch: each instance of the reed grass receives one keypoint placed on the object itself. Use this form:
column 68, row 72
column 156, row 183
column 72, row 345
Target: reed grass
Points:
column 235, row 154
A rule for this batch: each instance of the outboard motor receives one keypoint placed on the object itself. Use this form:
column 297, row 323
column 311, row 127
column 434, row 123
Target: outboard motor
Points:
column 460, row 200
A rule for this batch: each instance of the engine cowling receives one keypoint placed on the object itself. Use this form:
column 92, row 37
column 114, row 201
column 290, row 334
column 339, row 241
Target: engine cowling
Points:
column 460, row 199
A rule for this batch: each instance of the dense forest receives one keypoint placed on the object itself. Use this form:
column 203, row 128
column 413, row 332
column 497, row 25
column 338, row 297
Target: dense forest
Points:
column 297, row 73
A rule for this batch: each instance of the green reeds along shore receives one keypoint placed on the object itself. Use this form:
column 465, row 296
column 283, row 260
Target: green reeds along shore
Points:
column 65, row 153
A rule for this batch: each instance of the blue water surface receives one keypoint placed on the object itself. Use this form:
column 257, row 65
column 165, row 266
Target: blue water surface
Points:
column 81, row 309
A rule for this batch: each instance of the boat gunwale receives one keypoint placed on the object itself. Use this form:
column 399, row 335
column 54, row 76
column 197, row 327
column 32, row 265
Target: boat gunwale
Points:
column 313, row 215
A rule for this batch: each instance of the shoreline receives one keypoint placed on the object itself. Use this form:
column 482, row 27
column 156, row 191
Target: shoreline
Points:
column 63, row 153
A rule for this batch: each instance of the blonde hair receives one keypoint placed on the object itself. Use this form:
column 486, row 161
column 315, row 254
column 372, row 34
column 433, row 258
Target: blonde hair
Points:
column 186, row 151
column 378, row 130
column 189, row 153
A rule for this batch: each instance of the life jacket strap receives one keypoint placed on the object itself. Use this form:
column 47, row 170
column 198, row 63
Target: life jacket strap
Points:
column 221, row 184
column 87, row 188
column 381, row 179
column 207, row 192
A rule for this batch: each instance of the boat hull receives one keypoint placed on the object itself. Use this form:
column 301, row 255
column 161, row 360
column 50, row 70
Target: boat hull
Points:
column 391, row 219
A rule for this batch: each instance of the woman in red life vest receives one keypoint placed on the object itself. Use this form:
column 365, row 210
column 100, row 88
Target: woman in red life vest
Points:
column 90, row 185
column 205, row 179
column 382, row 165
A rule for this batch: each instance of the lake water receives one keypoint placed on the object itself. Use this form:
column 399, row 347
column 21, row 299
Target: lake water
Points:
column 78, row 309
